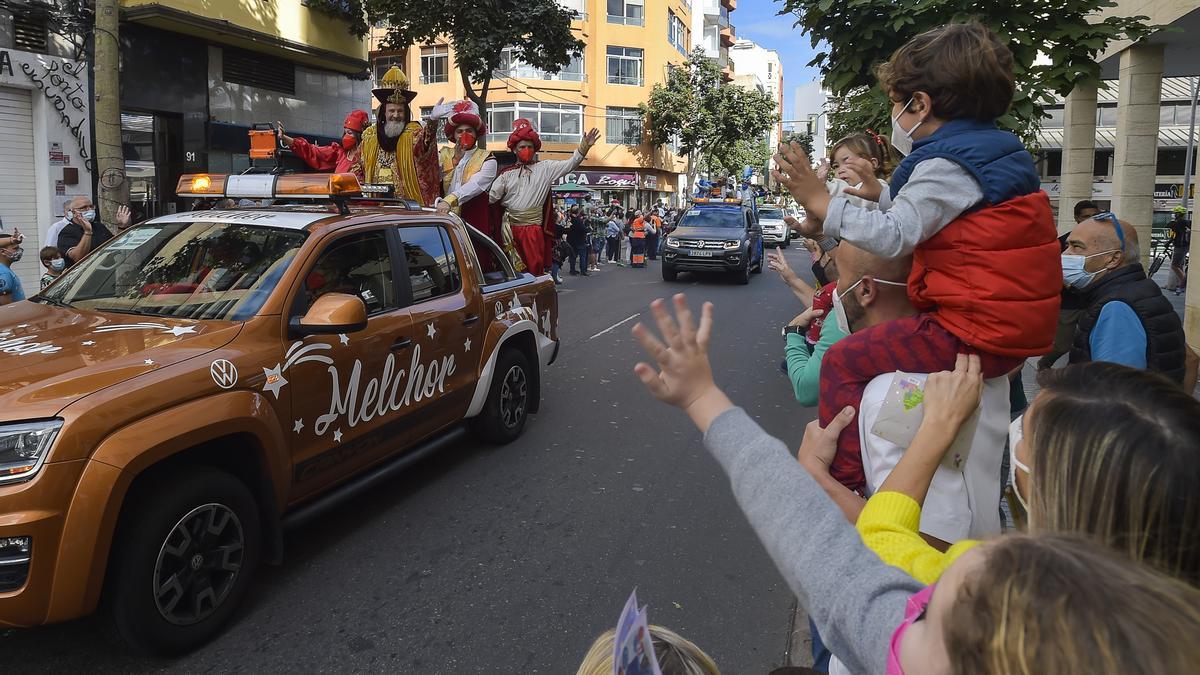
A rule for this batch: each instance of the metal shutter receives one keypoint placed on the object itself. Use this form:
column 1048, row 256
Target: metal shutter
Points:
column 18, row 194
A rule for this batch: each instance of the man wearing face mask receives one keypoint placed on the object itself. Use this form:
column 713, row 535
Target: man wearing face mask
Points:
column 522, row 192
column 962, row 501
column 468, row 170
column 1126, row 319
column 85, row 232
column 342, row 157
column 10, row 284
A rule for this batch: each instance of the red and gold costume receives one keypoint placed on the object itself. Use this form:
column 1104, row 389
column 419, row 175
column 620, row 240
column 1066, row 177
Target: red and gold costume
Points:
column 467, row 174
column 521, row 197
column 335, row 157
column 409, row 161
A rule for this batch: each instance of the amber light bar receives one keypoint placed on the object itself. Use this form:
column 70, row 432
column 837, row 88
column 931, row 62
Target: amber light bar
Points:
column 269, row 186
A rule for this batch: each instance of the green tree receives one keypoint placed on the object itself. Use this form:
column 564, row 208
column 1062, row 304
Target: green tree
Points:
column 706, row 116
column 854, row 36
column 539, row 32
column 804, row 138
column 731, row 159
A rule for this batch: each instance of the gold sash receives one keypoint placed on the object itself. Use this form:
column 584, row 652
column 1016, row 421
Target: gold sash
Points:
column 474, row 164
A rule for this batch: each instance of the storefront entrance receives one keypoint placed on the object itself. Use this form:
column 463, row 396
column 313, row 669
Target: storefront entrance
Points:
column 153, row 148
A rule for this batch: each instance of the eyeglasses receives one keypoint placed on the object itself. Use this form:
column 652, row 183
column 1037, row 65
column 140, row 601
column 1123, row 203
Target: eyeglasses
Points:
column 1112, row 218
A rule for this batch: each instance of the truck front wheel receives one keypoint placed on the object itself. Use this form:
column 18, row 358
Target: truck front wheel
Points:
column 184, row 555
column 503, row 417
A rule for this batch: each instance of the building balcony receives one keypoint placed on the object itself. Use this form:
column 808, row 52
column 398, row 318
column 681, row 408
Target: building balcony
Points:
column 729, row 4
column 285, row 29
column 728, row 36
column 727, row 74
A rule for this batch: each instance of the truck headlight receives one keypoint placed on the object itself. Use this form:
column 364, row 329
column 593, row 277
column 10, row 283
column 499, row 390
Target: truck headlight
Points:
column 23, row 448
column 732, row 244
column 673, row 242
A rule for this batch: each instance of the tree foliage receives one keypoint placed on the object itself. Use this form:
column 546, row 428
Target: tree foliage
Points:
column 804, row 138
column 858, row 34
column 539, row 31
column 711, row 119
column 732, row 159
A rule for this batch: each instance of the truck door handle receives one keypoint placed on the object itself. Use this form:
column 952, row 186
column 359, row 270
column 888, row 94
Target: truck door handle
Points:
column 401, row 343
column 471, row 320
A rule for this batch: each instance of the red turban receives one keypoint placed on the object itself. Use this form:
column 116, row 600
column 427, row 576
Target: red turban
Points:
column 523, row 131
column 356, row 120
column 465, row 112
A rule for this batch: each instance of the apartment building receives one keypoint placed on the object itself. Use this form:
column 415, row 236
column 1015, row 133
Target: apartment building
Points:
column 629, row 45
column 762, row 64
column 714, row 32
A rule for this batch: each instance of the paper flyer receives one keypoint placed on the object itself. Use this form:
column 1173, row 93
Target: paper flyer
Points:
column 633, row 651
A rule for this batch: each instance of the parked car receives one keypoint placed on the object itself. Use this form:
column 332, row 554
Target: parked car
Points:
column 774, row 230
column 207, row 378
column 717, row 235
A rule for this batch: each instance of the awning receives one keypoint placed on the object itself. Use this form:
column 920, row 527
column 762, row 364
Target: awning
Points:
column 1106, row 138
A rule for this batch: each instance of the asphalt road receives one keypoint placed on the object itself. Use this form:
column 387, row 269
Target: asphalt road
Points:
column 513, row 559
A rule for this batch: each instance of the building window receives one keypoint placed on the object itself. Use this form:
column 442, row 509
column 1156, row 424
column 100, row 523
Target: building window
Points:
column 554, row 122
column 628, row 12
column 624, row 126
column 624, row 65
column 676, row 32
column 579, row 7
column 511, row 66
column 435, row 64
column 381, row 64
column 1102, row 164
column 255, row 69
column 1106, row 116
column 426, row 111
column 712, row 40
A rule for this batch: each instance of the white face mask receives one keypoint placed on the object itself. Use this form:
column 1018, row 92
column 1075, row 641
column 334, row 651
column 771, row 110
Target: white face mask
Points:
column 1073, row 273
column 902, row 140
column 1015, row 434
column 839, row 309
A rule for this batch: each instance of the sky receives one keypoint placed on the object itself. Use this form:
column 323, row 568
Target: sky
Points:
column 757, row 20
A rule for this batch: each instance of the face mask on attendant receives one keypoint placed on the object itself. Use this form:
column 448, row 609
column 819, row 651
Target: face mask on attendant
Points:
column 1073, row 272
column 349, row 141
column 525, row 155
column 913, row 609
column 839, row 309
column 1015, row 434
column 902, row 140
column 467, row 141
column 58, row 264
column 88, row 215
column 14, row 256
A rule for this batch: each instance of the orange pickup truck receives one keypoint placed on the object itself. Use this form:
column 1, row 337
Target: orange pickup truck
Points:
column 207, row 379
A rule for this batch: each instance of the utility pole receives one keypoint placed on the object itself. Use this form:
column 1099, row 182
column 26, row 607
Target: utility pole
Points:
column 106, row 109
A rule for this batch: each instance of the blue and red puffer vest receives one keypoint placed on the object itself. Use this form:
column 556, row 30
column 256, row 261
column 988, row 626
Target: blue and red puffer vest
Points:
column 992, row 276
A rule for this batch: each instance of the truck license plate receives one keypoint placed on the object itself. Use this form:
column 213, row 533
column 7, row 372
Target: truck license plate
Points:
column 701, row 254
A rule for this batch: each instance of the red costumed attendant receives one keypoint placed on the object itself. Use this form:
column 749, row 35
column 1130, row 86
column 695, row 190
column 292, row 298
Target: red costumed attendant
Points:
column 468, row 171
column 341, row 157
column 522, row 191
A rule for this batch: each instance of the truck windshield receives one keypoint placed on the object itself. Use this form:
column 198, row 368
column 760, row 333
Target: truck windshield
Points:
column 189, row 270
column 721, row 216
column 770, row 214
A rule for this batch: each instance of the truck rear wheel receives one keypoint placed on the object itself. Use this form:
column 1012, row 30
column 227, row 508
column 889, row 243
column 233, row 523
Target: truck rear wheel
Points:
column 184, row 555
column 507, row 409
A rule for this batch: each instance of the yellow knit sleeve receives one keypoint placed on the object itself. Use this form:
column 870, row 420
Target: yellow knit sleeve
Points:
column 889, row 526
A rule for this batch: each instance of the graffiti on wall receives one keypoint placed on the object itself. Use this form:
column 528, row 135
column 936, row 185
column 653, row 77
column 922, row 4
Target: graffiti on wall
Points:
column 62, row 83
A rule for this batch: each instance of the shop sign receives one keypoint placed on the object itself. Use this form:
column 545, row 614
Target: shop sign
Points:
column 1172, row 191
column 650, row 182
column 601, row 180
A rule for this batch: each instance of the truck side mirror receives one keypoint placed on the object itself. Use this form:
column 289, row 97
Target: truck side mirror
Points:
column 330, row 314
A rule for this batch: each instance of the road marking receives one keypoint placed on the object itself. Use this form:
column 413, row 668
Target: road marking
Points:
column 616, row 325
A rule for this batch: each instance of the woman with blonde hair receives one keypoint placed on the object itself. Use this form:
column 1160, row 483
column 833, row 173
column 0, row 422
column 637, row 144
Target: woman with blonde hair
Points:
column 676, row 655
column 1104, row 450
